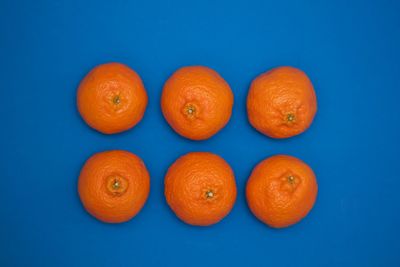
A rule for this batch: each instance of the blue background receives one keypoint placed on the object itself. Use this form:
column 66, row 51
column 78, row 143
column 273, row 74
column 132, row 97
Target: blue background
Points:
column 350, row 50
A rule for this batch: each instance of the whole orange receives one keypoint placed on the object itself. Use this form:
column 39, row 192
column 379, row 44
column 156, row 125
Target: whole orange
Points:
column 112, row 98
column 281, row 190
column 196, row 102
column 281, row 102
column 200, row 188
column 114, row 185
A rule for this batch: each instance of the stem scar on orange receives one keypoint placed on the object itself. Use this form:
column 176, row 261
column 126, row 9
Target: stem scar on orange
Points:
column 281, row 190
column 281, row 102
column 112, row 98
column 200, row 188
column 196, row 102
column 114, row 185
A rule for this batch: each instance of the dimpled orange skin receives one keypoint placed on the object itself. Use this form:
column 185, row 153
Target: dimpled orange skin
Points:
column 114, row 185
column 281, row 191
column 196, row 102
column 200, row 188
column 112, row 98
column 281, row 102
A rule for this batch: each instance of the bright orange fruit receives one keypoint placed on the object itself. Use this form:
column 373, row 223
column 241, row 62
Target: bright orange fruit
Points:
column 196, row 102
column 114, row 185
column 281, row 190
column 281, row 102
column 200, row 188
column 112, row 98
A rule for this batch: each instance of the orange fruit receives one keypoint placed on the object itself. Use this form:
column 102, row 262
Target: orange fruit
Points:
column 281, row 190
column 112, row 98
column 196, row 102
column 200, row 188
column 114, row 185
column 281, row 102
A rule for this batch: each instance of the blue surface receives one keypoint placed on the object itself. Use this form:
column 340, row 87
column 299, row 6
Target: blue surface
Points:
column 350, row 49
